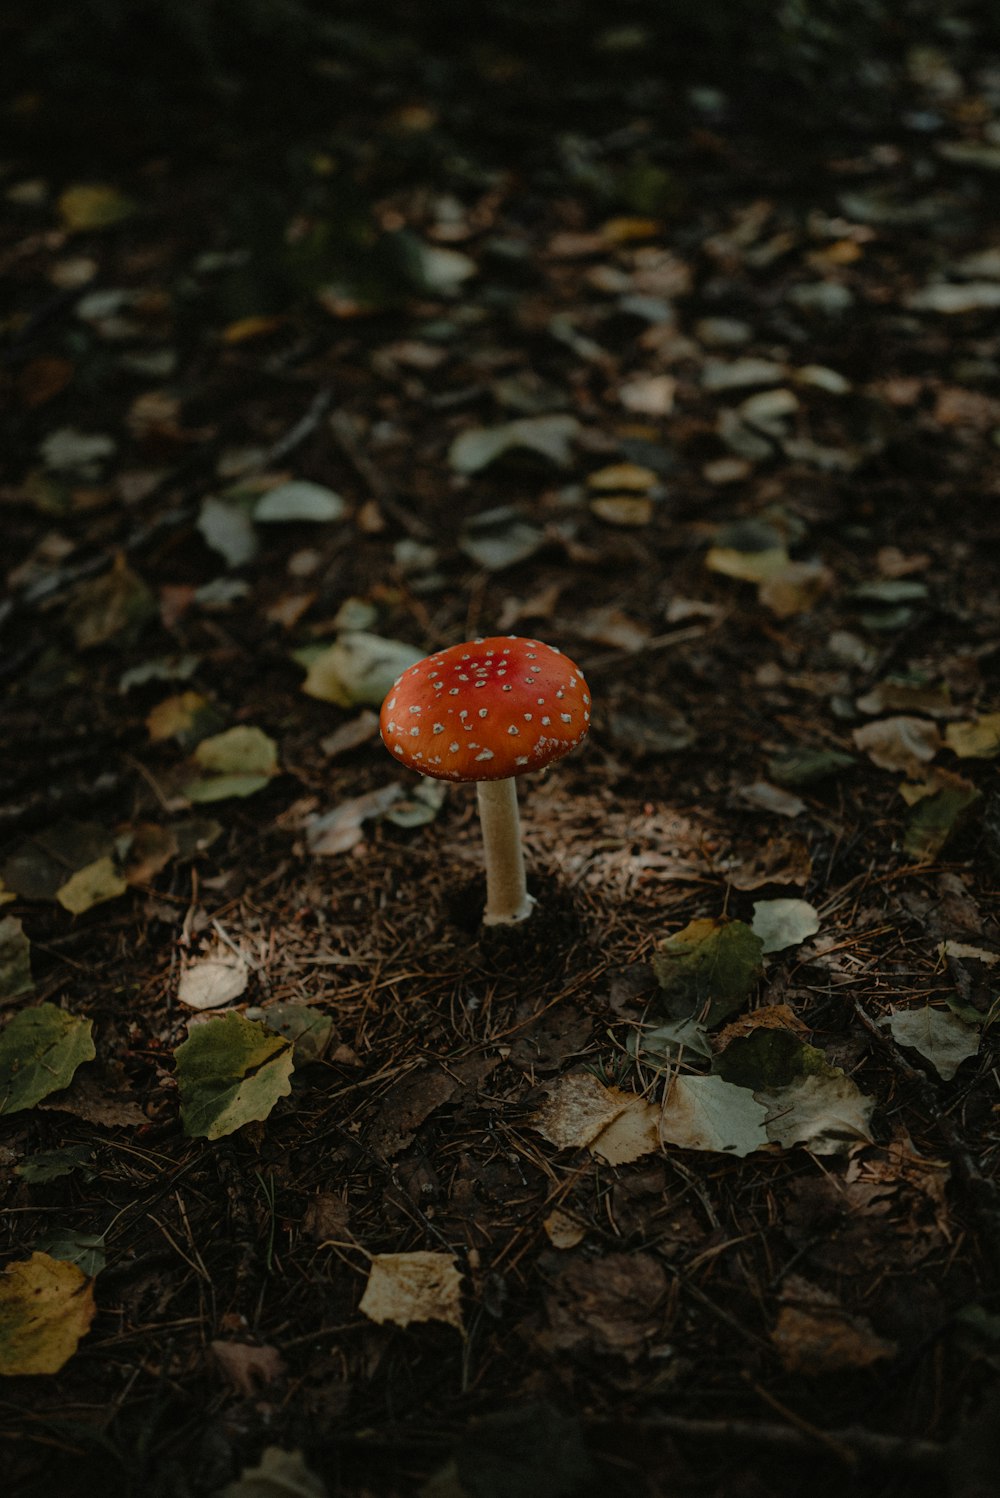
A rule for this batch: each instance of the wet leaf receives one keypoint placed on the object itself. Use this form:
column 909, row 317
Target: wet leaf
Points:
column 46, row 1306
column 978, row 738
column 357, row 670
column 783, row 923
column 814, row 1336
column 238, row 762
column 706, row 1113
column 938, row 818
column 212, row 981
column 15, row 960
column 40, row 1050
column 281, row 1474
column 408, row 1287
column 299, row 501
column 709, row 969
column 230, row 1072
column 94, row 205
column 940, row 1036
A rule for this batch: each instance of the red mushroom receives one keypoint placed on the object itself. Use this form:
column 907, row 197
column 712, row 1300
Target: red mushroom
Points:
column 487, row 711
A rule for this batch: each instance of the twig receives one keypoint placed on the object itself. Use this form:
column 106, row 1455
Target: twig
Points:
column 300, row 432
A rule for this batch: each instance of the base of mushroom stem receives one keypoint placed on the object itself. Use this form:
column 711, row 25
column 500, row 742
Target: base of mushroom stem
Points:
column 522, row 913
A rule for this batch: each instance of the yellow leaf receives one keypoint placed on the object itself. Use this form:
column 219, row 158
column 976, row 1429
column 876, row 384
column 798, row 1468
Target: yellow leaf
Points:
column 748, row 566
column 94, row 205
column 420, row 1286
column 46, row 1306
column 976, row 739
column 91, row 885
column 245, row 328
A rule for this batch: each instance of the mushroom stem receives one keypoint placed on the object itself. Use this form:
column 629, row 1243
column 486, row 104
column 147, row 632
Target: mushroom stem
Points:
column 507, row 898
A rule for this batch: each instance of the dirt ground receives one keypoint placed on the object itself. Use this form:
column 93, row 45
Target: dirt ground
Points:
column 753, row 492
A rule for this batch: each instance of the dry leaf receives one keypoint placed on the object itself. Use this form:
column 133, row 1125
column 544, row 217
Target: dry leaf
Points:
column 248, row 1368
column 46, row 1306
column 213, row 980
column 899, row 743
column 421, row 1286
column 562, row 1230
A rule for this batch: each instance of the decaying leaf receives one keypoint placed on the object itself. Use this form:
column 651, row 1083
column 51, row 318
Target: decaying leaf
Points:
column 709, row 969
column 938, row 817
column 804, row 766
column 408, row 1287
column 339, row 830
column 40, row 1050
column 814, row 1336
column 942, row 1038
column 808, row 1101
column 577, row 1110
column 230, row 1071
column 46, row 1306
column 113, row 607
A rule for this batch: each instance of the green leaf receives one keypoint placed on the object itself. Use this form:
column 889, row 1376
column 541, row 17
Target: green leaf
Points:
column 15, row 959
column 41, row 864
column 237, row 762
column 783, row 923
column 808, row 1101
column 706, row 1113
column 40, row 1050
column 50, row 1165
column 309, row 1030
column 798, row 767
column 708, row 970
column 230, row 1071
column 660, row 1046
column 936, row 819
column 86, row 1250
column 941, row 1038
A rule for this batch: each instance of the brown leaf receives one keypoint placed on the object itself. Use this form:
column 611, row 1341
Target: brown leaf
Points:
column 608, row 1306
column 420, row 1286
column 404, row 1108
column 814, row 1335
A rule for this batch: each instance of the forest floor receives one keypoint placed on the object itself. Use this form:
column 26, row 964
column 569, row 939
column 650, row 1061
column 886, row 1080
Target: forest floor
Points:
column 576, row 1207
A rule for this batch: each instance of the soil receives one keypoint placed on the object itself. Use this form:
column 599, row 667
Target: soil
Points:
column 686, row 1322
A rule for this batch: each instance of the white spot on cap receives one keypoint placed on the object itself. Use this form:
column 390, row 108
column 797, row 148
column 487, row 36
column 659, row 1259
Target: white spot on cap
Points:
column 566, row 717
column 513, row 730
column 437, row 727
column 398, row 748
column 453, row 691
column 392, row 704
column 463, row 712
column 522, row 759
column 484, row 754
column 483, row 711
column 453, row 748
column 506, row 687
column 586, row 699
column 462, row 676
column 527, row 717
column 546, row 720
column 416, row 709
column 414, row 733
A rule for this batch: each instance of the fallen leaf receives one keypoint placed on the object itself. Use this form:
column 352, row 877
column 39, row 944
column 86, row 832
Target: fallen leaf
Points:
column 795, row 589
column 783, row 923
column 708, row 970
column 660, row 1046
column 408, row 1287
column 629, row 510
column 804, row 766
column 247, row 1367
column 952, row 300
column 547, row 436
column 940, row 1037
column 771, row 798
column 610, row 1306
column 939, row 817
column 93, row 205
column 649, row 395
column 52, row 1165
column 357, row 670
column 977, row 738
column 499, row 538
column 901, row 743
column 360, row 730
column 807, row 1100
column 92, row 885
column 186, row 717
column 562, row 1230
column 281, row 1474
column 86, row 1250
column 15, row 960
column 147, row 849
column 748, row 566
column 228, row 529
column 40, row 1049
column 339, row 830
column 634, row 1133
column 46, row 1306
column 299, row 501
column 309, row 1029
column 238, row 762
column 578, row 1109
column 214, row 980
column 814, row 1336
column 113, row 607
column 706, row 1113
column 230, row 1071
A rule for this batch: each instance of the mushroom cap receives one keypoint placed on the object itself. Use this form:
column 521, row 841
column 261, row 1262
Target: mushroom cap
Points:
column 486, row 710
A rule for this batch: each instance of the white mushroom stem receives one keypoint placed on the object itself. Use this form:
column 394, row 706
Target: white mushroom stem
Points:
column 507, row 898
